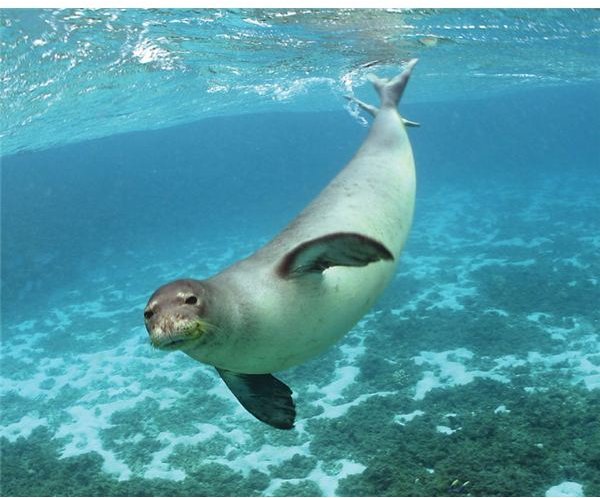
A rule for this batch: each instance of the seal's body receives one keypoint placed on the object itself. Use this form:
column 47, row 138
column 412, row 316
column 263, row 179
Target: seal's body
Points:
column 307, row 287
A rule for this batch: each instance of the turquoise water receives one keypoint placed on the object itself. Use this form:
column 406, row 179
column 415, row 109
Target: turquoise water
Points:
column 143, row 146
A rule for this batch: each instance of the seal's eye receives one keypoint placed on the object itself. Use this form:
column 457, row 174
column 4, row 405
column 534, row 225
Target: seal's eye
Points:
column 148, row 314
column 191, row 300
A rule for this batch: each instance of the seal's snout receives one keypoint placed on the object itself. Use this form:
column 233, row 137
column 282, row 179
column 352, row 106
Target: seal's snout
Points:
column 174, row 314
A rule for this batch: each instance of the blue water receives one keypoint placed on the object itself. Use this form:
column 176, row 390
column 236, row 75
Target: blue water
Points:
column 476, row 373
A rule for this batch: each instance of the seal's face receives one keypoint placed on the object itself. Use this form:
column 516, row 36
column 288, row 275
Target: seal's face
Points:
column 174, row 315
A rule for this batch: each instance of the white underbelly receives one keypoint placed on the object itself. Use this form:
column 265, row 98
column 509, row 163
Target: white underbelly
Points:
column 302, row 319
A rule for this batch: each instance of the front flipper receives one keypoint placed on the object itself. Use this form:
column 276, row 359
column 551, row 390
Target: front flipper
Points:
column 335, row 249
column 264, row 396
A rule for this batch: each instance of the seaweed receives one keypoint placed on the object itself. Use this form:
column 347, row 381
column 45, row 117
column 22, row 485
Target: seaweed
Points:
column 545, row 437
column 302, row 488
column 33, row 467
column 297, row 467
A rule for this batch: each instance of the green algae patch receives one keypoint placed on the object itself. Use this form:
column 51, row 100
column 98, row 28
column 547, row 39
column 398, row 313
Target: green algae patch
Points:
column 302, row 488
column 297, row 467
column 536, row 439
column 15, row 406
column 33, row 467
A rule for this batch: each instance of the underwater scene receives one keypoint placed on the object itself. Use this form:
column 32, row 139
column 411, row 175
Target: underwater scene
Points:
column 140, row 147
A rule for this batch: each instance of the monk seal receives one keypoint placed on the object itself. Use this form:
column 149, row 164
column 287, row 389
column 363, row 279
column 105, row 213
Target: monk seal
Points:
column 308, row 286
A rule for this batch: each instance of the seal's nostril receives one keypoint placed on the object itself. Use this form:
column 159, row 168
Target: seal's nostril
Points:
column 191, row 300
column 148, row 314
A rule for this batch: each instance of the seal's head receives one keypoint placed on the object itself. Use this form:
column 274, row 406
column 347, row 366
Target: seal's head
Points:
column 175, row 314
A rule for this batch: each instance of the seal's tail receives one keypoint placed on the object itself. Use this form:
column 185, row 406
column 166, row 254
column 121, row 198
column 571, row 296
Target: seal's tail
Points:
column 390, row 91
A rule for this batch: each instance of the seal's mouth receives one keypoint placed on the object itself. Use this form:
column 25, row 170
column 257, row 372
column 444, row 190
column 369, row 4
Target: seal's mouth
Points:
column 178, row 338
column 170, row 344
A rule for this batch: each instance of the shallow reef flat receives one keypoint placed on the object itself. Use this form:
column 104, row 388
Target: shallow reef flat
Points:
column 477, row 373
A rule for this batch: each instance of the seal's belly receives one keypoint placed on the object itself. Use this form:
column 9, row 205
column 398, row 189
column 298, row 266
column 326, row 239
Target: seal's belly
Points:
column 309, row 317
column 348, row 294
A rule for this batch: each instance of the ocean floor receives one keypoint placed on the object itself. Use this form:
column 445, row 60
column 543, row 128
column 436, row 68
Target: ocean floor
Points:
column 477, row 373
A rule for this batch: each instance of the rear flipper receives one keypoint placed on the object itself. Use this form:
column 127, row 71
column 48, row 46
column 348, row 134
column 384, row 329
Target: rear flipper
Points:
column 390, row 91
column 372, row 110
